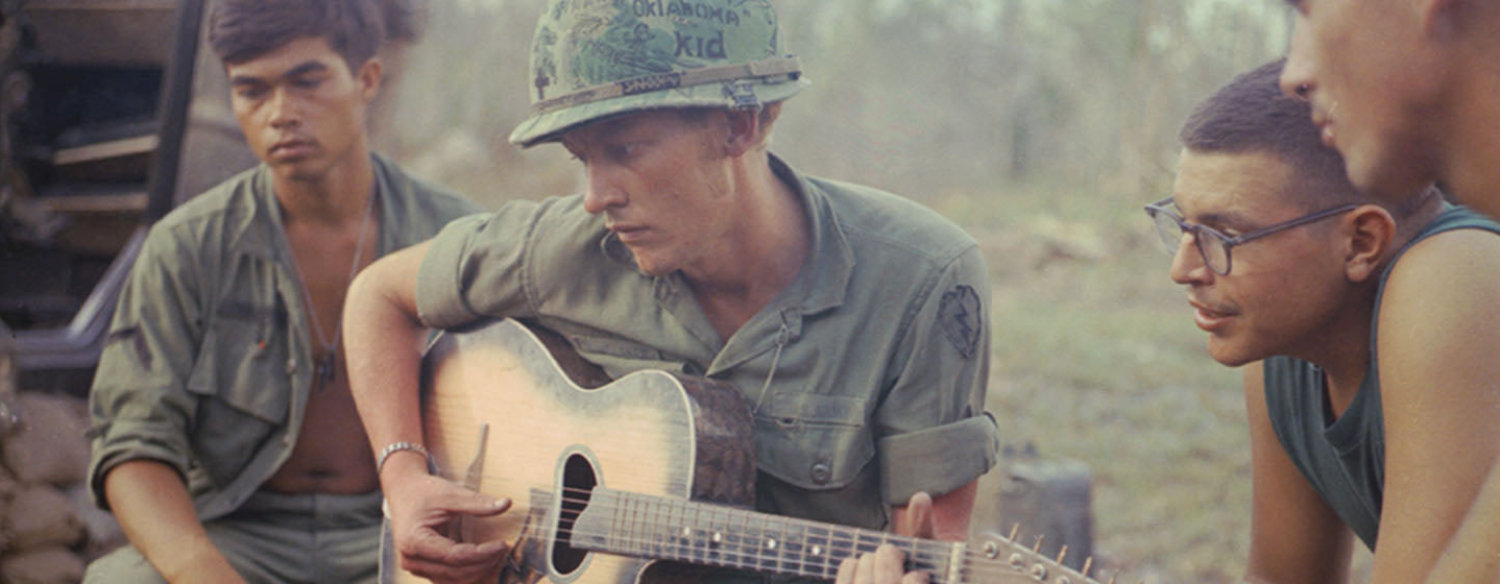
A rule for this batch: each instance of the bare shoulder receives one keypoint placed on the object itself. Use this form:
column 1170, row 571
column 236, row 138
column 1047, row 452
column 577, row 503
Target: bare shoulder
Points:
column 1440, row 312
column 1461, row 256
column 1439, row 322
column 1450, row 274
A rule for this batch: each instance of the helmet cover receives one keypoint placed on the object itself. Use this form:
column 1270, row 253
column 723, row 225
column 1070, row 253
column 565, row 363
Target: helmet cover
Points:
column 596, row 58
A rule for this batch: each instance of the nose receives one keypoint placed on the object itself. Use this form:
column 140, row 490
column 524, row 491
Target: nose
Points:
column 601, row 193
column 1297, row 75
column 284, row 110
column 1188, row 266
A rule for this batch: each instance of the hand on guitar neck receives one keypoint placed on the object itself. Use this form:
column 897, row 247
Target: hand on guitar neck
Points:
column 886, row 565
column 423, row 508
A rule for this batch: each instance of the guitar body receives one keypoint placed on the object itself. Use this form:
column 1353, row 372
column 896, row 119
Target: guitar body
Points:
column 511, row 411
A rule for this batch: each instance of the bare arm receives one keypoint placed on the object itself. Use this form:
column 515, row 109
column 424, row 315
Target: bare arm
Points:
column 1473, row 555
column 383, row 340
column 945, row 517
column 1294, row 536
column 1439, row 326
column 156, row 512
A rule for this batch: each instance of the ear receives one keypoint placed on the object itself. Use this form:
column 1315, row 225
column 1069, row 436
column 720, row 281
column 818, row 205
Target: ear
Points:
column 744, row 131
column 368, row 77
column 1372, row 233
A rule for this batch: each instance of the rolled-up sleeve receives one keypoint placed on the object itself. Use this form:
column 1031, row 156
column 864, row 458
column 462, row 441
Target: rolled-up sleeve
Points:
column 937, row 460
column 933, row 433
column 475, row 268
column 139, row 407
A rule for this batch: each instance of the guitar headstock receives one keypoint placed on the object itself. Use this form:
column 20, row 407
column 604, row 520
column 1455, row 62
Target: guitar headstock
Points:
column 1002, row 559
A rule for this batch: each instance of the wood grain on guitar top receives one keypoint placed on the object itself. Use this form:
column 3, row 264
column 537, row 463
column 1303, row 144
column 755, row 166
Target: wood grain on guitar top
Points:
column 648, row 432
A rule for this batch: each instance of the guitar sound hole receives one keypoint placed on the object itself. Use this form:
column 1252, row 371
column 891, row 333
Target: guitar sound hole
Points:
column 578, row 484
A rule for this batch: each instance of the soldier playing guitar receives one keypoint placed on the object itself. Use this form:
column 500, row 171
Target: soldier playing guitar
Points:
column 851, row 320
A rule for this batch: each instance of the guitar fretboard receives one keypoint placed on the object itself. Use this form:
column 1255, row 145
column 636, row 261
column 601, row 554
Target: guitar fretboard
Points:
column 673, row 529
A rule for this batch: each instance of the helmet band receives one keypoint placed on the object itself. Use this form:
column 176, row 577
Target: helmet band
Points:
column 791, row 67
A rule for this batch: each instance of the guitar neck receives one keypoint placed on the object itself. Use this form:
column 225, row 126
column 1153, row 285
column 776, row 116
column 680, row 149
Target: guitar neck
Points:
column 667, row 528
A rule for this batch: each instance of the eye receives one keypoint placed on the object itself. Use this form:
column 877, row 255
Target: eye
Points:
column 623, row 151
column 1224, row 233
column 306, row 82
column 250, row 92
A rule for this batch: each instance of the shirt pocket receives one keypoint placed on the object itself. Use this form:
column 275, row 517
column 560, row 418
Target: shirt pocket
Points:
column 242, row 362
column 243, row 389
column 815, row 442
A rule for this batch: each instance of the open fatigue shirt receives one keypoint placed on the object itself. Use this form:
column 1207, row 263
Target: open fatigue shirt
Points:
column 208, row 363
column 867, row 374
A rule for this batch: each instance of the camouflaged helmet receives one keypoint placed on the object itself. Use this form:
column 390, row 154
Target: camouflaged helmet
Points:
column 595, row 58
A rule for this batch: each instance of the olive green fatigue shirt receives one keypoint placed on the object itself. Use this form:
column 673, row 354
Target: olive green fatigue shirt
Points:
column 867, row 374
column 208, row 363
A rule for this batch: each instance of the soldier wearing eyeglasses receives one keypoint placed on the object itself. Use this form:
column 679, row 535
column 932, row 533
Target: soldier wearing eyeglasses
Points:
column 1366, row 327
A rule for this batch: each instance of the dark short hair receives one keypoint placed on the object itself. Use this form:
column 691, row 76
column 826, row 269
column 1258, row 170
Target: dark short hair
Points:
column 1251, row 114
column 241, row 30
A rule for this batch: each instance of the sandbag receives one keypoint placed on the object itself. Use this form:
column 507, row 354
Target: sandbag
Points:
column 49, row 446
column 102, row 529
column 41, row 516
column 44, row 565
column 8, row 485
column 6, row 537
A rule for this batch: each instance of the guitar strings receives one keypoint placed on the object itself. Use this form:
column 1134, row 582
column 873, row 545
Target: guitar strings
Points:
column 977, row 566
column 926, row 554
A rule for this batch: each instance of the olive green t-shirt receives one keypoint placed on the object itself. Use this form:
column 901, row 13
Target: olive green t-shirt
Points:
column 866, row 374
column 1343, row 458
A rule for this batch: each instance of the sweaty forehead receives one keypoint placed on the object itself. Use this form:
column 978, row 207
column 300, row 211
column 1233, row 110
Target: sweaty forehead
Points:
column 1233, row 189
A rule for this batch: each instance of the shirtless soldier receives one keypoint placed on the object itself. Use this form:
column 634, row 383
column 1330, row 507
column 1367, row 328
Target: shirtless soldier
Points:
column 225, row 439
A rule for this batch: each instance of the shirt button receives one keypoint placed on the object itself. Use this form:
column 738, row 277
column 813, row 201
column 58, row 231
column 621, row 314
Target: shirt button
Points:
column 821, row 472
column 291, row 366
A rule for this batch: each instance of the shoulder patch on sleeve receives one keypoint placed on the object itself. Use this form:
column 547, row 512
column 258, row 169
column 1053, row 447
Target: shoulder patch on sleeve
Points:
column 962, row 319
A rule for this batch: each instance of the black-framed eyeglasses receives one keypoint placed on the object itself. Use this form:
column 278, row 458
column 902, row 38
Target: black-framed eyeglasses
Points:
column 1213, row 245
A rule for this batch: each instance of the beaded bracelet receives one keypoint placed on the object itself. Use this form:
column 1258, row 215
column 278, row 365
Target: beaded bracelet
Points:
column 395, row 447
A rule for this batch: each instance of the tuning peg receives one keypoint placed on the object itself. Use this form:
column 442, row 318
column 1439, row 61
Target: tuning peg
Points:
column 1062, row 554
column 1038, row 545
column 1014, row 528
column 1087, row 563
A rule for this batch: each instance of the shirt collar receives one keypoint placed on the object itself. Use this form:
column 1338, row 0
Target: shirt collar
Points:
column 824, row 278
column 256, row 223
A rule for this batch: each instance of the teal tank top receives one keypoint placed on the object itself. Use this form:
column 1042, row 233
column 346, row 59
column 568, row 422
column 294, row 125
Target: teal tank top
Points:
column 1344, row 459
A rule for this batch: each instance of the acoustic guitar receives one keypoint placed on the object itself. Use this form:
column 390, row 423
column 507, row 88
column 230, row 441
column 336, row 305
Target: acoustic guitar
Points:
column 648, row 478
